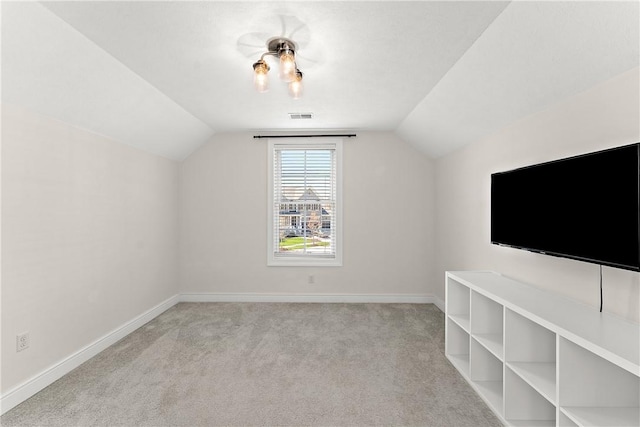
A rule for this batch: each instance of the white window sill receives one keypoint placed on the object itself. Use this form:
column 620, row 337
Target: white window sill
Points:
column 303, row 262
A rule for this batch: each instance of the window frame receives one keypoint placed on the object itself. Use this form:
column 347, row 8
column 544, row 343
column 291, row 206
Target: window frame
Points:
column 307, row 260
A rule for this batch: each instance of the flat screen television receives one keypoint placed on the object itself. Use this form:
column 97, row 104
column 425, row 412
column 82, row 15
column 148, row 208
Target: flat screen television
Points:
column 585, row 207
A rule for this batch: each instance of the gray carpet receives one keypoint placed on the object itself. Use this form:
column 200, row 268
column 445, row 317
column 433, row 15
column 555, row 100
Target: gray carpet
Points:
column 242, row 364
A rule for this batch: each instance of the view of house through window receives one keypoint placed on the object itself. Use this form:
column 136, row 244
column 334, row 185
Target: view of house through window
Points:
column 304, row 201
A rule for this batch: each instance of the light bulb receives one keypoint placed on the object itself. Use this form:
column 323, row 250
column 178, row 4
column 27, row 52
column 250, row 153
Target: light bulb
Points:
column 261, row 76
column 295, row 86
column 287, row 65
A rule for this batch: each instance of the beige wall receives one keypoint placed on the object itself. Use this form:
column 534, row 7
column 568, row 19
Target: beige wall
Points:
column 388, row 221
column 90, row 227
column 602, row 117
column 89, row 238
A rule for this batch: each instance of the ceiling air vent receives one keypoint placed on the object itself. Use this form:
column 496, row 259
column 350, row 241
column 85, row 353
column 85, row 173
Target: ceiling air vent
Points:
column 297, row 116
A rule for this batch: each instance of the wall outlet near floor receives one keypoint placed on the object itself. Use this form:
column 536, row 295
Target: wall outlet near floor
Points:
column 312, row 279
column 22, row 341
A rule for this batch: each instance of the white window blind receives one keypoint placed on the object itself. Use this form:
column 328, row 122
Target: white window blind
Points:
column 304, row 203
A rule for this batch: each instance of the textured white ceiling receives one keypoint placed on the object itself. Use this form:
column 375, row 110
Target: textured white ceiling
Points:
column 51, row 68
column 164, row 76
column 533, row 55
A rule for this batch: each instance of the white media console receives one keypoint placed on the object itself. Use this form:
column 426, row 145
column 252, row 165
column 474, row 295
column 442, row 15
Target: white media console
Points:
column 539, row 359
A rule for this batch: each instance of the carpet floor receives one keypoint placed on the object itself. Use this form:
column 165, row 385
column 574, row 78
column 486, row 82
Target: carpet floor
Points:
column 250, row 364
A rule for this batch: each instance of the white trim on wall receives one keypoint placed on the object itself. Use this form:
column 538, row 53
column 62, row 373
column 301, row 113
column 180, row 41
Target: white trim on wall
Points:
column 317, row 298
column 30, row 387
column 276, row 258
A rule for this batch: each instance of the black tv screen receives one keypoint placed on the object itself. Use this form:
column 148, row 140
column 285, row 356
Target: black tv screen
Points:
column 585, row 207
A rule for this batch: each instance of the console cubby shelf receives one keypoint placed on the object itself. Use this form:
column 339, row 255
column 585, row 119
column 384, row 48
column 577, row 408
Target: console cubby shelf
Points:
column 539, row 359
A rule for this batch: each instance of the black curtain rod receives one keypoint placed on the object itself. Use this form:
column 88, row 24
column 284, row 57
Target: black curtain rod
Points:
column 344, row 135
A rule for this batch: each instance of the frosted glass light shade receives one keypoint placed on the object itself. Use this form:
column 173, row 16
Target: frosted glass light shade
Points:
column 295, row 86
column 287, row 66
column 261, row 76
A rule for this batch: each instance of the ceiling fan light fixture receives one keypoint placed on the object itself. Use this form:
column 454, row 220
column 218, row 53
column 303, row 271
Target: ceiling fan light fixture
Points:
column 284, row 50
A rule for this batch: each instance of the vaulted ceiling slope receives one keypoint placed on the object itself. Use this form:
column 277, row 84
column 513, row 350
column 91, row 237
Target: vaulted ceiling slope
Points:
column 165, row 76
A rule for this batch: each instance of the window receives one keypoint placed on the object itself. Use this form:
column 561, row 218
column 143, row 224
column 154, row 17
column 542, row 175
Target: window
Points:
column 304, row 176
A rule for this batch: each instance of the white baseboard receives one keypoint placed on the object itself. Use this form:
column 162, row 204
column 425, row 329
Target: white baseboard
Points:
column 30, row 387
column 438, row 303
column 319, row 298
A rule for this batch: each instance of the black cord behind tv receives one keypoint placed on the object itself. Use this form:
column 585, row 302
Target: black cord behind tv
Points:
column 585, row 207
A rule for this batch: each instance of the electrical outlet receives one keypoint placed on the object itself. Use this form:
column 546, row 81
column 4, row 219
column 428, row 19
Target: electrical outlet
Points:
column 22, row 341
column 312, row 279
